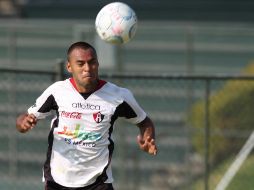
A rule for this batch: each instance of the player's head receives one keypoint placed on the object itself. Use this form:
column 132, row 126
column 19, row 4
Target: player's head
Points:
column 83, row 64
column 80, row 45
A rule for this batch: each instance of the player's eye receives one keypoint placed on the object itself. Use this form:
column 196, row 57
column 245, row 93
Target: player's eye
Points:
column 80, row 63
column 93, row 61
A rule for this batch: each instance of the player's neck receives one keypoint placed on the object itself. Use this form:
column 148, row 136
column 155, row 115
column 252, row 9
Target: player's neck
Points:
column 88, row 88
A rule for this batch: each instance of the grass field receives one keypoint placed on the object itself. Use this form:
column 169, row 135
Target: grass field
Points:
column 242, row 180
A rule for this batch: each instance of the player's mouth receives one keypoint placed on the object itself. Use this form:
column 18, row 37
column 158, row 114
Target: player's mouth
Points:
column 87, row 76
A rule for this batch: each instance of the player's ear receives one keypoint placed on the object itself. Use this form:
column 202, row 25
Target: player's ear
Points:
column 68, row 67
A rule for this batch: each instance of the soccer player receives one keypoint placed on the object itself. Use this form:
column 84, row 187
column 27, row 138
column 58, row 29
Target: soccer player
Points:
column 80, row 146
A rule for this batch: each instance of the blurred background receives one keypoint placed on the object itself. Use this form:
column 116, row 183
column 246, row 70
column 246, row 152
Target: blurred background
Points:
column 190, row 66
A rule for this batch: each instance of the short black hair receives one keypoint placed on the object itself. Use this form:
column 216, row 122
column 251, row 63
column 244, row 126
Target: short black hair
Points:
column 82, row 45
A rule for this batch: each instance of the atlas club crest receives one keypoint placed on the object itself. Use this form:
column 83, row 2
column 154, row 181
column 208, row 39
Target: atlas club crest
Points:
column 98, row 117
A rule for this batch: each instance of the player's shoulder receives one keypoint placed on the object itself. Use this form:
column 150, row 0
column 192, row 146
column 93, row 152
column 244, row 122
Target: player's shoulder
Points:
column 59, row 85
column 116, row 89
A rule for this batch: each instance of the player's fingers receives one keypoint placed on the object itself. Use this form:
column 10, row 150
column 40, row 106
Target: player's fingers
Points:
column 152, row 141
column 28, row 124
column 147, row 145
column 32, row 115
column 144, row 146
column 153, row 150
column 140, row 140
column 141, row 143
column 31, row 118
column 151, row 146
column 148, row 141
column 148, row 138
column 24, row 128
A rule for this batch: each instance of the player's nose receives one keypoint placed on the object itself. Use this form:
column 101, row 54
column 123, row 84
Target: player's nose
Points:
column 86, row 67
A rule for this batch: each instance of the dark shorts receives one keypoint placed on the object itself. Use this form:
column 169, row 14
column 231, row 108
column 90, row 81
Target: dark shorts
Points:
column 96, row 186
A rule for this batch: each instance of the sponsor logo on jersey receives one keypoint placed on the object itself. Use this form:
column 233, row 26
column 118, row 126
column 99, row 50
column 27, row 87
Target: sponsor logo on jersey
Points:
column 80, row 143
column 86, row 106
column 71, row 115
column 79, row 136
column 98, row 117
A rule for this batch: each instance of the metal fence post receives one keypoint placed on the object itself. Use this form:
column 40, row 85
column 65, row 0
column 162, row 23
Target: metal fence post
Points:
column 59, row 70
column 207, row 133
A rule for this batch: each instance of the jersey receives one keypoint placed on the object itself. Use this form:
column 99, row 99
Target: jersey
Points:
column 80, row 144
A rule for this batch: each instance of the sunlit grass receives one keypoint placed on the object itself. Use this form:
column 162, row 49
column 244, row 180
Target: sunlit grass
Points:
column 242, row 180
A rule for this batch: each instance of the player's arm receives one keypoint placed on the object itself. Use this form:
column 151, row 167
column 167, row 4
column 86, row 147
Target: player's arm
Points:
column 146, row 139
column 25, row 122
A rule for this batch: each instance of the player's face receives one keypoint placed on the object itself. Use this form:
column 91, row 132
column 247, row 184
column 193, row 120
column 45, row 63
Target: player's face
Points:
column 83, row 65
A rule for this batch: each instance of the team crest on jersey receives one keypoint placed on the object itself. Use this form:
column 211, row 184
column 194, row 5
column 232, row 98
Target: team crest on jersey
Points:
column 98, row 117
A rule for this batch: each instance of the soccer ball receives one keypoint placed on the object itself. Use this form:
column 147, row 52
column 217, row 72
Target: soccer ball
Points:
column 116, row 23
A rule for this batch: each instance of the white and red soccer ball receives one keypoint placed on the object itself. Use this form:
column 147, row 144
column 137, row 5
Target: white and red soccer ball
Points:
column 116, row 23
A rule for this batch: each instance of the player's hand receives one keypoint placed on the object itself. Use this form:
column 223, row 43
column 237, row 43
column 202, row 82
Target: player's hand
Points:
column 26, row 122
column 147, row 144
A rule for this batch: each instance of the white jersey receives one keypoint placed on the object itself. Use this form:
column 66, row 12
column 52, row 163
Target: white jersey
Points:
column 79, row 143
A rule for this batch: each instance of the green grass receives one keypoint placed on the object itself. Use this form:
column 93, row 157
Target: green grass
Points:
column 242, row 180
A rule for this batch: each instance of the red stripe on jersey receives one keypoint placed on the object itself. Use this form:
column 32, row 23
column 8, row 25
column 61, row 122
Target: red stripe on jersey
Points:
column 101, row 84
column 73, row 83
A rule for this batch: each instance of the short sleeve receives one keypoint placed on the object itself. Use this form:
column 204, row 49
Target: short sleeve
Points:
column 130, row 109
column 44, row 104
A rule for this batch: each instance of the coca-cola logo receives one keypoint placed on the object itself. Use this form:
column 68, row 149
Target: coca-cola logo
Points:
column 71, row 115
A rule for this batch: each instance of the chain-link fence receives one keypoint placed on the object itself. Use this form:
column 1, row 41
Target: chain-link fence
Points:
column 171, row 47
column 201, row 124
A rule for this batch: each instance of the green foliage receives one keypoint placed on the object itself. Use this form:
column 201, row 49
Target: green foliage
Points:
column 231, row 109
